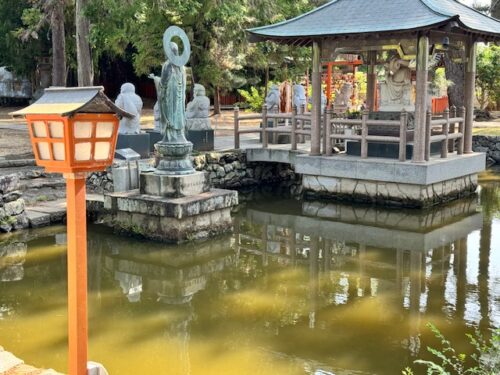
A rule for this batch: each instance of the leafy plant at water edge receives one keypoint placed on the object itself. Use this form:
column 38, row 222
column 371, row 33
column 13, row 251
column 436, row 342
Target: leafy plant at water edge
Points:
column 485, row 358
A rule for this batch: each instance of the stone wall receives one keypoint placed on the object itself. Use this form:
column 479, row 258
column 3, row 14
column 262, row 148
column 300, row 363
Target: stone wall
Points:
column 389, row 193
column 489, row 145
column 12, row 214
column 230, row 170
column 226, row 170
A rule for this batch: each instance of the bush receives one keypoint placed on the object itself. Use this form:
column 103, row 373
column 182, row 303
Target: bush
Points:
column 485, row 359
column 254, row 98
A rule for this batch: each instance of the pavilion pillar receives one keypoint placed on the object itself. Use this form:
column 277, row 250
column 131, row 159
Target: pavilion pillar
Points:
column 371, row 83
column 421, row 99
column 316, row 101
column 470, row 93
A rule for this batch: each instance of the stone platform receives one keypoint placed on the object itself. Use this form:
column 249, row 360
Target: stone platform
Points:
column 173, row 186
column 171, row 219
column 390, row 182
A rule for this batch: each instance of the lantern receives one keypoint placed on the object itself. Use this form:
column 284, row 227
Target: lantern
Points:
column 74, row 131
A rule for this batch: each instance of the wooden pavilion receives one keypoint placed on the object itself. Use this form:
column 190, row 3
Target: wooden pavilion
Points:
column 413, row 30
column 369, row 27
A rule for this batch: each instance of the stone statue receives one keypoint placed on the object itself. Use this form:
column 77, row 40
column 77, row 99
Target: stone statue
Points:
column 129, row 101
column 273, row 99
column 396, row 91
column 174, row 149
column 323, row 101
column 197, row 111
column 157, row 117
column 171, row 91
column 299, row 96
column 343, row 96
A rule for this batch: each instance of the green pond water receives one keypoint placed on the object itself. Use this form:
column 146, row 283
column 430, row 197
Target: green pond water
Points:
column 299, row 288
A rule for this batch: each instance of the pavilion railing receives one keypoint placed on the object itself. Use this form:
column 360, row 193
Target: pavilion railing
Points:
column 448, row 129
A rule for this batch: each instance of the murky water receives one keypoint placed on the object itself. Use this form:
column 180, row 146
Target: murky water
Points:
column 300, row 288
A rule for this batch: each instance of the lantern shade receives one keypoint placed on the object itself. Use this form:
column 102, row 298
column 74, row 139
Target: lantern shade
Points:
column 82, row 143
column 73, row 129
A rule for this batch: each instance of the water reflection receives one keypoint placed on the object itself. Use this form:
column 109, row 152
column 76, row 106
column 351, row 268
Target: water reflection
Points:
column 309, row 287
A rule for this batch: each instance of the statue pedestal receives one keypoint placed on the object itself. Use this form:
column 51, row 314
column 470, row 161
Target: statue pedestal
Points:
column 174, row 185
column 203, row 140
column 137, row 142
column 172, row 208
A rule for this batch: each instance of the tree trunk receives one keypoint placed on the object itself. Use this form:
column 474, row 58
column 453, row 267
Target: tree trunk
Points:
column 58, row 45
column 217, row 100
column 455, row 73
column 84, row 55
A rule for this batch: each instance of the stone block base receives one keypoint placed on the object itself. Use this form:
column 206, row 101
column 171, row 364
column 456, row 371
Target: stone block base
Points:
column 202, row 140
column 171, row 219
column 389, row 193
column 137, row 142
column 173, row 185
column 154, row 137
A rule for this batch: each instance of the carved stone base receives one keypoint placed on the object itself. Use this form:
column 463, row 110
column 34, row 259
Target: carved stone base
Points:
column 174, row 158
column 174, row 185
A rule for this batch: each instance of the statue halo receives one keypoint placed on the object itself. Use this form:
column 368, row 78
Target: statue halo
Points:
column 178, row 60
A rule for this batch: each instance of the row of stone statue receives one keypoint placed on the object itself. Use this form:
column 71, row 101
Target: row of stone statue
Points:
column 197, row 110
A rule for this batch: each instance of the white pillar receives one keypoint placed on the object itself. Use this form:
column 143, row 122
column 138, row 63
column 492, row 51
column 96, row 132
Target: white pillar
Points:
column 470, row 93
column 421, row 99
column 316, row 101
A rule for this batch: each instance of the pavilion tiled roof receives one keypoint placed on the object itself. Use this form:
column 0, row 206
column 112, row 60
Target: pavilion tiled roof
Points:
column 345, row 17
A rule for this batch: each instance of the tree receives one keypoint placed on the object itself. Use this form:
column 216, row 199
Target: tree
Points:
column 18, row 55
column 488, row 75
column 35, row 19
column 84, row 57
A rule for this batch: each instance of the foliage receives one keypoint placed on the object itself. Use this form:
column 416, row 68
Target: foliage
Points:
column 485, row 359
column 488, row 75
column 254, row 98
column 19, row 55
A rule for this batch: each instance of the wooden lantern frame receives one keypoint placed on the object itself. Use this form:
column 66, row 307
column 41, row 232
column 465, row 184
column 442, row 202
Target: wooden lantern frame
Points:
column 70, row 164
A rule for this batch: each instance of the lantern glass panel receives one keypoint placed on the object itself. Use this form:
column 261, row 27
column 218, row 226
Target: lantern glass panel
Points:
column 39, row 129
column 101, row 151
column 58, row 151
column 83, row 129
column 43, row 150
column 56, row 129
column 82, row 151
column 104, row 130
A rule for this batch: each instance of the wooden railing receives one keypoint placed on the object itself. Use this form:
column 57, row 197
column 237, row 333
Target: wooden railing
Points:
column 442, row 129
column 299, row 126
column 364, row 137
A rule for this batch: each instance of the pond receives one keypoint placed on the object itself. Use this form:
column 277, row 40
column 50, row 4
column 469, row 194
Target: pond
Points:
column 299, row 288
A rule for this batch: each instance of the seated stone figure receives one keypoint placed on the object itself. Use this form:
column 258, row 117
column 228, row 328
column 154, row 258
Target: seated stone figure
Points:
column 197, row 110
column 396, row 91
column 129, row 101
column 273, row 99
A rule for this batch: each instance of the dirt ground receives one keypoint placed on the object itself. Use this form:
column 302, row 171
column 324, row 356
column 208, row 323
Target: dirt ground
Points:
column 15, row 143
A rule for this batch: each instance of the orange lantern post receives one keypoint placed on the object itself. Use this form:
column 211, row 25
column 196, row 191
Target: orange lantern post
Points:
column 73, row 131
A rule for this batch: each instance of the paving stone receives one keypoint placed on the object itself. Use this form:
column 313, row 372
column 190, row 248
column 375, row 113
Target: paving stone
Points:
column 37, row 219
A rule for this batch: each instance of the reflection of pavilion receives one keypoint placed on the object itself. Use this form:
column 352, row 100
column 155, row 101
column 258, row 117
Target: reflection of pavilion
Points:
column 404, row 258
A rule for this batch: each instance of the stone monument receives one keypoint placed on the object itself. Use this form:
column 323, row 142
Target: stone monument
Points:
column 174, row 203
column 198, row 129
column 129, row 132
